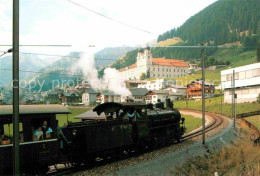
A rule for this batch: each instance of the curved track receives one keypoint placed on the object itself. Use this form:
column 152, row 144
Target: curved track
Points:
column 217, row 121
column 213, row 124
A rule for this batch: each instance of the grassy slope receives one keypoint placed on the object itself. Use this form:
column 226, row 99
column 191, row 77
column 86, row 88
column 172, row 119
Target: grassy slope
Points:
column 191, row 122
column 255, row 120
column 169, row 42
column 214, row 105
column 241, row 158
column 236, row 59
column 75, row 111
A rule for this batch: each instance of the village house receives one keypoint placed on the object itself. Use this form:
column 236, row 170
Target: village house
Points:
column 247, row 83
column 157, row 95
column 178, row 89
column 154, row 67
column 69, row 98
column 157, row 84
column 53, row 97
column 193, row 66
column 194, row 90
column 89, row 97
column 107, row 96
column 138, row 95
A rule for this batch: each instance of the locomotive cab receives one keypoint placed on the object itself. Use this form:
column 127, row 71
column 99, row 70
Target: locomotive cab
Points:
column 35, row 154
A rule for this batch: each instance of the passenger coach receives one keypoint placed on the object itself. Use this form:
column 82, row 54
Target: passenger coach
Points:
column 34, row 155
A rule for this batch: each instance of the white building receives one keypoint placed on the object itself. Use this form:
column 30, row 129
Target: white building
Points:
column 155, row 67
column 193, row 66
column 107, row 96
column 137, row 95
column 247, row 83
column 156, row 95
column 157, row 84
column 89, row 97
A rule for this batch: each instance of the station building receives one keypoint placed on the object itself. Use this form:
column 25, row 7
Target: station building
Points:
column 247, row 83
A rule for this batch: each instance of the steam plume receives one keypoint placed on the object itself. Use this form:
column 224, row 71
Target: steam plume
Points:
column 111, row 80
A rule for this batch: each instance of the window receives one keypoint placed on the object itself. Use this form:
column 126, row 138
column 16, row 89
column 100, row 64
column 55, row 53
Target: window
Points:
column 229, row 77
column 154, row 96
column 158, row 75
column 236, row 76
column 158, row 69
column 249, row 73
column 256, row 72
column 174, row 70
column 169, row 70
column 242, row 75
column 153, row 69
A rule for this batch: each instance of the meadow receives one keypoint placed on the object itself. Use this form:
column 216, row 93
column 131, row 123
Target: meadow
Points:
column 214, row 105
column 255, row 120
column 191, row 123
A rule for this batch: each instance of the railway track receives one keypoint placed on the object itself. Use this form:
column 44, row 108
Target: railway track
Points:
column 216, row 121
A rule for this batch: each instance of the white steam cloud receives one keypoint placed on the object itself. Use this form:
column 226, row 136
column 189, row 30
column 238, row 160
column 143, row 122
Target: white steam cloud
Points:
column 111, row 80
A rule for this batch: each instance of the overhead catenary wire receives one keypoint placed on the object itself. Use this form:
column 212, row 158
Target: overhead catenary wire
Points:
column 109, row 18
column 40, row 72
column 41, row 45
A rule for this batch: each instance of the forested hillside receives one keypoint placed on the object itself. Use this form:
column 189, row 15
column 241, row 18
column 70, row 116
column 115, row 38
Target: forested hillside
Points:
column 224, row 21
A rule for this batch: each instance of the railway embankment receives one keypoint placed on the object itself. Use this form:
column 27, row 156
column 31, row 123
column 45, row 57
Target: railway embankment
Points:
column 220, row 137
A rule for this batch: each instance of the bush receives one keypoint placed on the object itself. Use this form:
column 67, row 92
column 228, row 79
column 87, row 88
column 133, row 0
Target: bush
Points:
column 258, row 99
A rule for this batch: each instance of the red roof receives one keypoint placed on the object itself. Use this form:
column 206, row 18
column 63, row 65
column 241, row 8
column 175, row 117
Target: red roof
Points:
column 169, row 62
column 129, row 67
column 161, row 61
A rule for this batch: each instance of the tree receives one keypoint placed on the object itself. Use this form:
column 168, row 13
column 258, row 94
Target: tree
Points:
column 258, row 52
column 148, row 73
column 258, row 98
column 143, row 76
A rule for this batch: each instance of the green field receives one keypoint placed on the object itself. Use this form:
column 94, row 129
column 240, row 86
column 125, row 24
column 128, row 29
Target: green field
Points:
column 191, row 122
column 236, row 58
column 214, row 105
column 255, row 120
column 75, row 111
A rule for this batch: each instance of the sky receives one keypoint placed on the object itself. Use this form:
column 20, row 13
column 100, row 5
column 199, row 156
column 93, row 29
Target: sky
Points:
column 52, row 22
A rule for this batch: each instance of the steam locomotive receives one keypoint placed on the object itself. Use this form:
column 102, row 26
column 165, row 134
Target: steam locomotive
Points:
column 116, row 129
column 120, row 132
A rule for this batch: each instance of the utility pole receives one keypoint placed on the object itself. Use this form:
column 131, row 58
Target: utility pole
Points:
column 186, row 99
column 221, row 98
column 16, row 157
column 203, row 94
column 234, row 99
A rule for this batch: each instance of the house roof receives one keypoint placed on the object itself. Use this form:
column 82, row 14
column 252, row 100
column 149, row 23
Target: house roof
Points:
column 107, row 93
column 161, row 61
column 34, row 109
column 128, row 67
column 68, row 94
column 161, row 91
column 90, row 91
column 90, row 115
column 139, row 91
column 52, row 93
column 200, row 82
column 169, row 62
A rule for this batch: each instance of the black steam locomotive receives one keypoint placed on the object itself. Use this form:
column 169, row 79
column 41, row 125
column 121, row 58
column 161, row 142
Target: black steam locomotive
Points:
column 125, row 127
column 113, row 129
